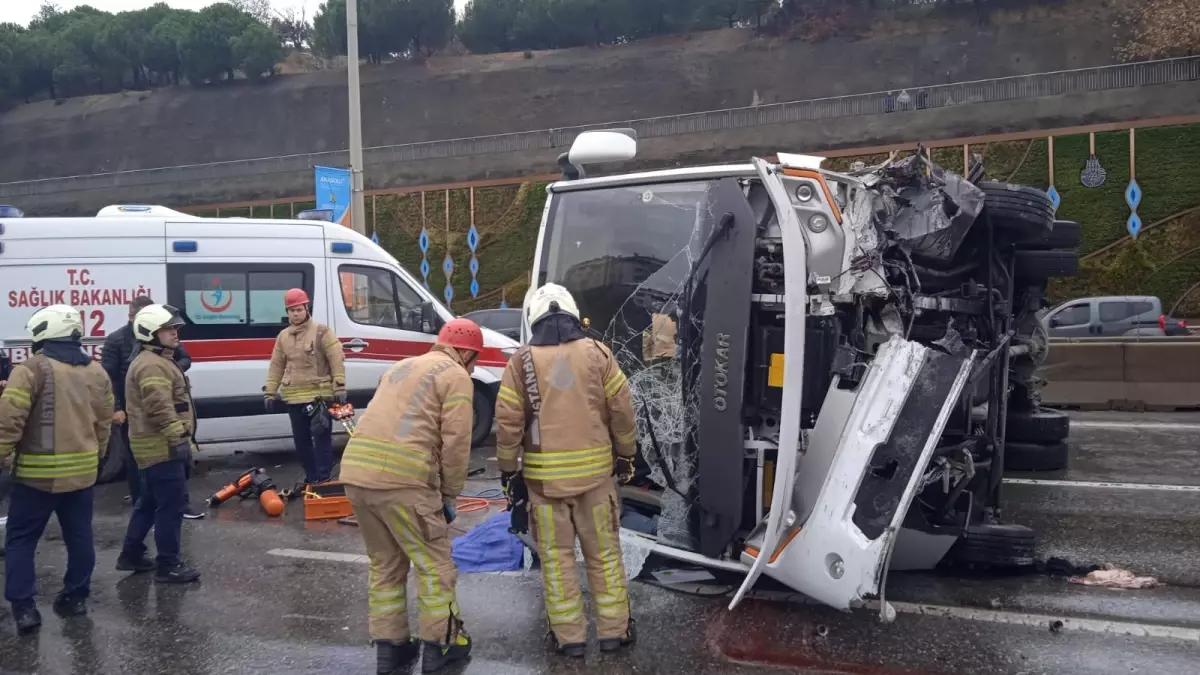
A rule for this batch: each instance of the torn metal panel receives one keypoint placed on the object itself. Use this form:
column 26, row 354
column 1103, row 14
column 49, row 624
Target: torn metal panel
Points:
column 838, row 554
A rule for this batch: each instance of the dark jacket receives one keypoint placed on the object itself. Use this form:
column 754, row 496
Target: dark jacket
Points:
column 5, row 366
column 120, row 348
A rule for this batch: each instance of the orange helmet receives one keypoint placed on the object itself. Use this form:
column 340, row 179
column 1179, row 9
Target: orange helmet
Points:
column 461, row 334
column 294, row 298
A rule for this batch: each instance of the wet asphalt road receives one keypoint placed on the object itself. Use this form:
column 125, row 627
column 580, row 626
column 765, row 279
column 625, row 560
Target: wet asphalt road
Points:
column 255, row 611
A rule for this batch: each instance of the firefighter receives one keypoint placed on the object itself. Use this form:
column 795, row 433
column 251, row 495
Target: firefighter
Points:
column 565, row 403
column 308, row 370
column 55, row 417
column 404, row 469
column 158, row 406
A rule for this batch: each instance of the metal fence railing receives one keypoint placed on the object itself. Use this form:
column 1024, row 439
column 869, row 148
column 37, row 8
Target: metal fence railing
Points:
column 1084, row 80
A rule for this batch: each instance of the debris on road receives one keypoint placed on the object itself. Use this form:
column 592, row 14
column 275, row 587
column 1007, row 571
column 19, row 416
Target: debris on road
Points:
column 1111, row 576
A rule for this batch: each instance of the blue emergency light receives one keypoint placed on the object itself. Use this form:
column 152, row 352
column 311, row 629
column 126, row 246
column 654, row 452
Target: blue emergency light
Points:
column 7, row 211
column 316, row 214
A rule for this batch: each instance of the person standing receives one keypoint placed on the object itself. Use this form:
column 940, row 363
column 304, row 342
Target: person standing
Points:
column 565, row 405
column 161, row 418
column 307, row 370
column 120, row 348
column 55, row 414
column 404, row 468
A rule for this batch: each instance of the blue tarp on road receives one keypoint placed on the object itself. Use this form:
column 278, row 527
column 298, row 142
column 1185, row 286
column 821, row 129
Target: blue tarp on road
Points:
column 490, row 547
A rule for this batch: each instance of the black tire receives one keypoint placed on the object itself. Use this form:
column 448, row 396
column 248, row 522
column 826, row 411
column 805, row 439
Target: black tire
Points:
column 995, row 545
column 996, row 190
column 1036, row 265
column 483, row 406
column 1041, row 425
column 1018, row 223
column 1035, row 457
column 112, row 467
column 1065, row 235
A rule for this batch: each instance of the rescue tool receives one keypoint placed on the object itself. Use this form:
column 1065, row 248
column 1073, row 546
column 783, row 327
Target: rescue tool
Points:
column 251, row 484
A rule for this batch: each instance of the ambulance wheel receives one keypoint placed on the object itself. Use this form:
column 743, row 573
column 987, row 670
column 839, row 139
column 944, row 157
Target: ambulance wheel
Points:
column 112, row 467
column 484, row 406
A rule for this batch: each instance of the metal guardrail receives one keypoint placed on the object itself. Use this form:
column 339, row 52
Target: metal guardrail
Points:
column 1122, row 76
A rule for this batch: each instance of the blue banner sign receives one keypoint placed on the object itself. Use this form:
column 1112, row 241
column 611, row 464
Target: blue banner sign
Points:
column 333, row 192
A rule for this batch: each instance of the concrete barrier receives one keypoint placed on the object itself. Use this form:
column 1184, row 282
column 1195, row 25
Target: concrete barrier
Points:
column 1128, row 374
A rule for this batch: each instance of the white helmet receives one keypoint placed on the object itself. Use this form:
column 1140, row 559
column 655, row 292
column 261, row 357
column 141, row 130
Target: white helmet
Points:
column 153, row 318
column 549, row 299
column 56, row 322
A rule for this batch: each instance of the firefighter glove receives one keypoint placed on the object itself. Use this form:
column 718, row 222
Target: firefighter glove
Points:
column 450, row 508
column 269, row 403
column 624, row 470
column 339, row 397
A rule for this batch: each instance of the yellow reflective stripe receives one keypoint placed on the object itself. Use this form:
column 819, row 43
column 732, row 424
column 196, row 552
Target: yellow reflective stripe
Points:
column 566, row 612
column 20, row 397
column 8, row 447
column 548, row 550
column 456, row 400
column 393, row 466
column 612, row 386
column 108, row 398
column 628, row 438
column 56, row 459
column 609, row 551
column 387, row 601
column 154, row 380
column 509, row 395
column 555, row 458
column 507, row 451
column 599, row 467
column 175, row 428
column 431, row 602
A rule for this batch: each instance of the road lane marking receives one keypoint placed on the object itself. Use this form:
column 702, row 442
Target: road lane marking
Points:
column 1155, row 426
column 1152, row 487
column 1050, row 622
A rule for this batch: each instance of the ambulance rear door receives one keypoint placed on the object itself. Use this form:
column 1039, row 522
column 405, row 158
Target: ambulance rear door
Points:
column 96, row 266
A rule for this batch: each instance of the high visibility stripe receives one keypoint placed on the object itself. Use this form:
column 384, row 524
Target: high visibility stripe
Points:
column 431, row 601
column 395, row 466
column 568, row 457
column 390, row 457
column 154, row 381
column 510, row 396
column 8, row 447
column 566, row 612
column 68, row 465
column 507, row 451
column 598, row 467
column 628, row 438
column 20, row 397
column 175, row 428
column 390, row 609
column 612, row 386
column 611, row 608
column 549, row 553
column 456, row 400
column 602, row 519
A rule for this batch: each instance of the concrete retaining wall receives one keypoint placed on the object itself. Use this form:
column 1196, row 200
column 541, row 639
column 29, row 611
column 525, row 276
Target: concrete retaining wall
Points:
column 1145, row 374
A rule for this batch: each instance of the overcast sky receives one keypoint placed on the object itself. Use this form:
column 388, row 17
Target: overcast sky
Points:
column 21, row 11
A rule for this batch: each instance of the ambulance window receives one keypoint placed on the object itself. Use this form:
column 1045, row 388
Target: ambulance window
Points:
column 378, row 297
column 266, row 295
column 218, row 298
column 223, row 301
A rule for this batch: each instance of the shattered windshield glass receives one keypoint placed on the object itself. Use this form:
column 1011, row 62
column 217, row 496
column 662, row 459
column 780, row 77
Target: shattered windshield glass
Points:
column 625, row 252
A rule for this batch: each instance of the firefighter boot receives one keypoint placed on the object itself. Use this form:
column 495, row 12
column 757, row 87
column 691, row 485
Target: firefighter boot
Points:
column 437, row 656
column 613, row 644
column 28, row 619
column 392, row 656
column 128, row 563
column 70, row 605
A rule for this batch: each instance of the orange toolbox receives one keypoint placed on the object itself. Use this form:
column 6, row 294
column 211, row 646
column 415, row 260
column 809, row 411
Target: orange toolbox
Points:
column 326, row 501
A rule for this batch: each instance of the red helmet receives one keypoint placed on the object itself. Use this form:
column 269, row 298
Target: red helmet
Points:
column 295, row 297
column 461, row 334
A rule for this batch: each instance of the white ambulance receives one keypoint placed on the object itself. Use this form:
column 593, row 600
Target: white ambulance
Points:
column 227, row 276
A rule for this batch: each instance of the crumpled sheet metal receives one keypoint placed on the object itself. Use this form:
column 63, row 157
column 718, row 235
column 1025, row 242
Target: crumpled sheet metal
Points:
column 933, row 213
column 1115, row 577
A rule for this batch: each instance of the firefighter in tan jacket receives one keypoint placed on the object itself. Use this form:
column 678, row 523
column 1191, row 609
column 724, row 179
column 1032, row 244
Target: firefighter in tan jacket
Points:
column 565, row 402
column 158, row 403
column 404, row 468
column 308, row 371
column 54, row 426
